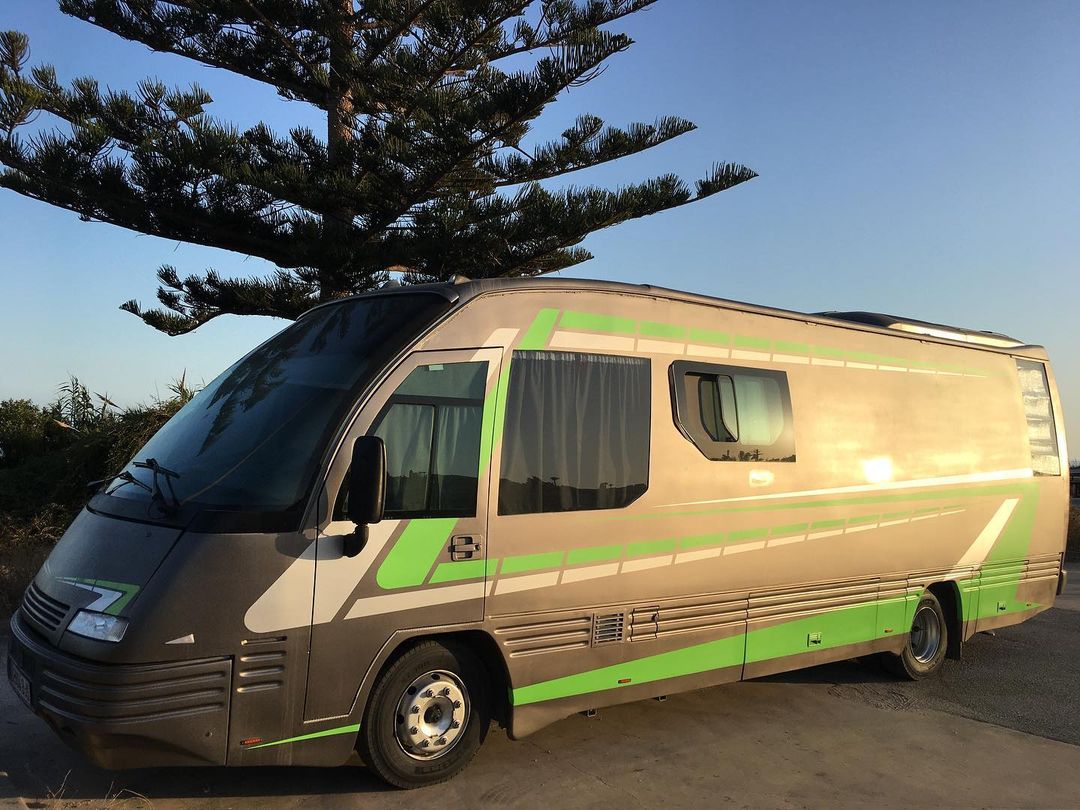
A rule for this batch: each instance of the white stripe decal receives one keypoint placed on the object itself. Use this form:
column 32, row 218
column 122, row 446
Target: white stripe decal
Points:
column 974, row 478
column 590, row 572
column 784, row 541
column 694, row 349
column 630, row 566
column 392, row 602
column 741, row 547
column 862, row 527
column 700, row 554
column 977, row 551
column 659, row 346
column 584, row 340
column 790, row 358
column 526, row 583
column 743, row 354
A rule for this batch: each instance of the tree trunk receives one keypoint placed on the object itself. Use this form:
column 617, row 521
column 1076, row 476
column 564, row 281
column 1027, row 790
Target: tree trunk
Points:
column 334, row 281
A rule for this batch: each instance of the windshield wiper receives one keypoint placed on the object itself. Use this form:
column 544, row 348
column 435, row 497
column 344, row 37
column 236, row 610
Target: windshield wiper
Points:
column 126, row 478
column 157, row 494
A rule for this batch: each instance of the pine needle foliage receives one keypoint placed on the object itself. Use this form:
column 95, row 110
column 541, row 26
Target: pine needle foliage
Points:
column 425, row 168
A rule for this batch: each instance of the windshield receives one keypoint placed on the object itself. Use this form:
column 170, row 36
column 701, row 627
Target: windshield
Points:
column 253, row 437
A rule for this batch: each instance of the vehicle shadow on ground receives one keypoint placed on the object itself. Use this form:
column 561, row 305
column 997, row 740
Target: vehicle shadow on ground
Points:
column 87, row 782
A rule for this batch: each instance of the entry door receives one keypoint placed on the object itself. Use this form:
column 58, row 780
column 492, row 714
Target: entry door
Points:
column 424, row 563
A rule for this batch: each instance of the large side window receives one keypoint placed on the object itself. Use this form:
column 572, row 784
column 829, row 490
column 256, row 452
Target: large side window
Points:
column 431, row 427
column 576, row 432
column 732, row 413
column 1042, row 436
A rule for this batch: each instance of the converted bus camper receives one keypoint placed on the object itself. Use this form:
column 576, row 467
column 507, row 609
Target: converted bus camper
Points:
column 415, row 511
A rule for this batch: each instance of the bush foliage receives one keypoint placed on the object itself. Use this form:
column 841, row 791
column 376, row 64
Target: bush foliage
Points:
column 47, row 457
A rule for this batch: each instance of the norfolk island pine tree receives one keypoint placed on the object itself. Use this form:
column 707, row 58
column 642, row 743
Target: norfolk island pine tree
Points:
column 425, row 170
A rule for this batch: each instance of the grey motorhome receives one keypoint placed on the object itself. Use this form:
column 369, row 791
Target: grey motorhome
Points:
column 563, row 495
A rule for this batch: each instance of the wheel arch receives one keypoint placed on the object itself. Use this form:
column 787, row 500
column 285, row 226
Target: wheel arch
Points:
column 477, row 641
column 948, row 594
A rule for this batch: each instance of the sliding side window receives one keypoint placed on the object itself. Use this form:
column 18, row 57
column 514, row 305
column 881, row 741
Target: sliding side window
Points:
column 577, row 432
column 1039, row 412
column 732, row 413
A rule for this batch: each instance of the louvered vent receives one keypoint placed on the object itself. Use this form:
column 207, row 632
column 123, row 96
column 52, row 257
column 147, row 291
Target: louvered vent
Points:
column 42, row 608
column 608, row 628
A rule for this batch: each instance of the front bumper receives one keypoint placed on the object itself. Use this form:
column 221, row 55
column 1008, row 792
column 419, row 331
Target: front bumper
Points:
column 126, row 715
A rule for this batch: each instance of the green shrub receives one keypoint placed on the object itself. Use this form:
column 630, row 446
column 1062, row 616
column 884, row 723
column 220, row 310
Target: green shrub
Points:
column 50, row 456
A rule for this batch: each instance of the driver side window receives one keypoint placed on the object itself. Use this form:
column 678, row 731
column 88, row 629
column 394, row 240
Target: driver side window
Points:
column 431, row 427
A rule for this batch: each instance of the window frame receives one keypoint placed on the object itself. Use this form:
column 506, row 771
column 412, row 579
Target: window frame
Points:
column 687, row 415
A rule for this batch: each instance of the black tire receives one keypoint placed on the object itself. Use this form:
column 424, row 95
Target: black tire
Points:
column 922, row 656
column 378, row 742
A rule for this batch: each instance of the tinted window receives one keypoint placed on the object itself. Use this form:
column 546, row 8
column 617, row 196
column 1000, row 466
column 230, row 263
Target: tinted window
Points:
column 431, row 427
column 253, row 438
column 576, row 432
column 1042, row 436
column 734, row 414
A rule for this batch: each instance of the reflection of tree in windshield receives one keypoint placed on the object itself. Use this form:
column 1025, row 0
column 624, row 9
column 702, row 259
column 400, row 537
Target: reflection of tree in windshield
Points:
column 254, row 436
column 250, row 382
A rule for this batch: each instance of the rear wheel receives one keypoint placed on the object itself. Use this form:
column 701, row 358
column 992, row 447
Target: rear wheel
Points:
column 427, row 715
column 928, row 640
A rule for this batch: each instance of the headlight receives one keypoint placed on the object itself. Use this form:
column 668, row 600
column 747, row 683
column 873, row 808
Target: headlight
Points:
column 98, row 626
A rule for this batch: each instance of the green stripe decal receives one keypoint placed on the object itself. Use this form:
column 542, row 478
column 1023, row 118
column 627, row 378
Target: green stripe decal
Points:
column 531, row 562
column 724, row 652
column 710, row 336
column 415, row 551
column 593, row 554
column 463, row 569
column 611, row 324
column 650, row 547
column 662, row 330
column 540, row 332
column 589, row 322
column 330, row 732
column 992, row 594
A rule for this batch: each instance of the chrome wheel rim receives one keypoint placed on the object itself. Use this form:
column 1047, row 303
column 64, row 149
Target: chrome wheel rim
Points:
column 432, row 715
column 925, row 635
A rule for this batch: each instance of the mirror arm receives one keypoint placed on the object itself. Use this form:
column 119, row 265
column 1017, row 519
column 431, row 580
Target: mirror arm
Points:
column 353, row 544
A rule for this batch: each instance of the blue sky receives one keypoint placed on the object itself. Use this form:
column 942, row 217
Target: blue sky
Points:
column 919, row 158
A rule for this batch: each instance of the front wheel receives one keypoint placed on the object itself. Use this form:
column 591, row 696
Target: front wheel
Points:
column 427, row 715
column 928, row 640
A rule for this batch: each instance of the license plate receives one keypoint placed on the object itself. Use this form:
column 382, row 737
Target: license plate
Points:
column 20, row 683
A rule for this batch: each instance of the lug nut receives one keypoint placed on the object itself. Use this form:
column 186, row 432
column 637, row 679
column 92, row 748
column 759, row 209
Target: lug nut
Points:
column 413, row 729
column 445, row 691
column 457, row 704
column 455, row 724
column 414, row 710
column 428, row 693
column 424, row 744
column 441, row 741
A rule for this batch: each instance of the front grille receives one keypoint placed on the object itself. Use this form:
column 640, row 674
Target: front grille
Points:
column 43, row 609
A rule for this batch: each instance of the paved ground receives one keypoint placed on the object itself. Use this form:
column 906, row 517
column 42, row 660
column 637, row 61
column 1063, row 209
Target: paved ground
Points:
column 1000, row 729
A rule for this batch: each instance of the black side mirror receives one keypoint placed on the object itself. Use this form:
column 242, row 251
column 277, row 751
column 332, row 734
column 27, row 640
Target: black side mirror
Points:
column 367, row 490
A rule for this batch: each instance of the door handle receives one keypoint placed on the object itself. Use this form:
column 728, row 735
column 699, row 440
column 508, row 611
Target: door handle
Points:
column 464, row 546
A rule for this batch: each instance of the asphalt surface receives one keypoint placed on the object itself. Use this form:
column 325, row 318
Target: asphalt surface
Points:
column 999, row 729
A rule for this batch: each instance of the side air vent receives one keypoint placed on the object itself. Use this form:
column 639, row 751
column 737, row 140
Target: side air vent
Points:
column 608, row 628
